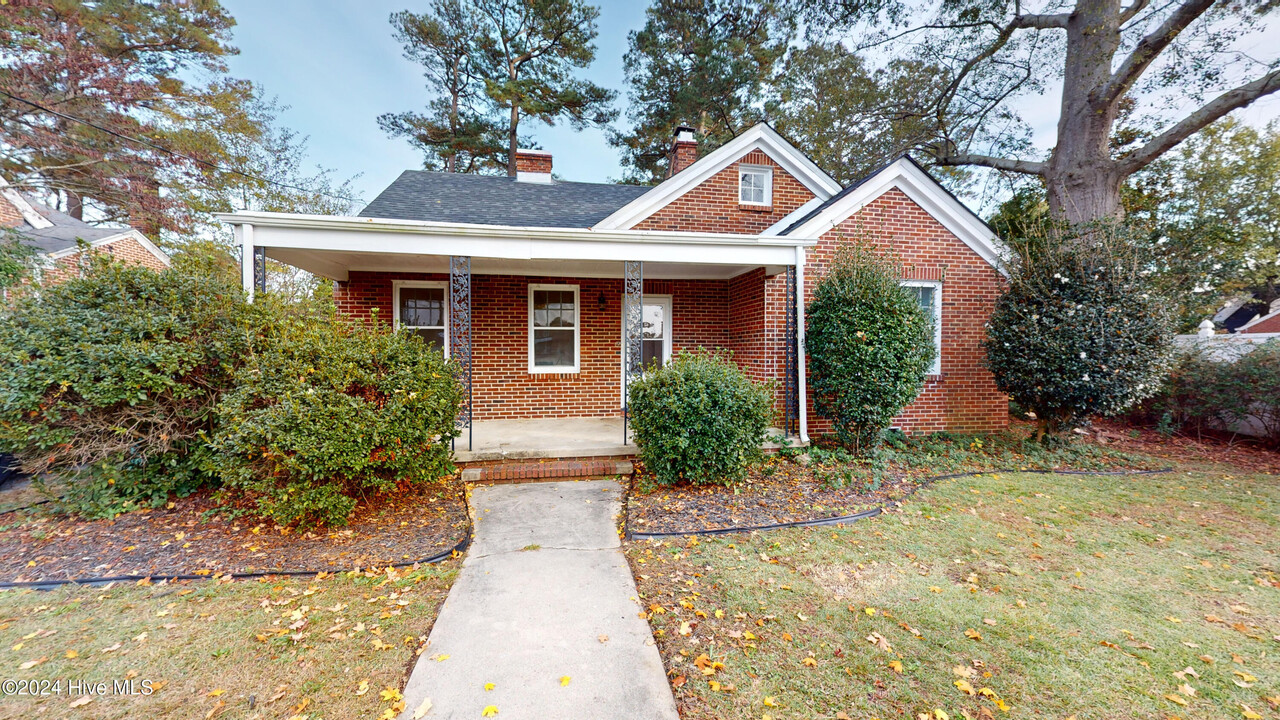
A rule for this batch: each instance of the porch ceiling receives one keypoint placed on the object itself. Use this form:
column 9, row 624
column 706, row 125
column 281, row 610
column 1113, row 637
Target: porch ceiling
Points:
column 337, row 265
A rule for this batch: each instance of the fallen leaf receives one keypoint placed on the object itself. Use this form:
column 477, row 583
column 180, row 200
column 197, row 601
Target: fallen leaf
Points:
column 81, row 702
column 390, row 694
column 964, row 671
column 1248, row 713
column 489, row 710
column 965, row 687
column 564, row 680
column 1175, row 699
column 810, row 662
column 1184, row 672
column 896, row 666
column 973, row 634
column 32, row 663
column 488, row 687
column 770, row 701
column 422, row 709
column 1187, row 690
column 1244, row 676
column 214, row 693
column 364, row 688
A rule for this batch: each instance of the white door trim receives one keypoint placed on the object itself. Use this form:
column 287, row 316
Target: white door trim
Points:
column 663, row 300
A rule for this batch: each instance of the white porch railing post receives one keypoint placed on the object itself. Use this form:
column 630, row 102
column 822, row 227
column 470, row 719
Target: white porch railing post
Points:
column 244, row 233
column 802, row 381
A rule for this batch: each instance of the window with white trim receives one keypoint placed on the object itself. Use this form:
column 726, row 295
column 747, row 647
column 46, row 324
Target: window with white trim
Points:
column 553, row 328
column 929, row 293
column 422, row 308
column 755, row 185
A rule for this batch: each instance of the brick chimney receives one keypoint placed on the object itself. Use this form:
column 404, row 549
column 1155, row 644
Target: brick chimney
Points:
column 533, row 166
column 684, row 150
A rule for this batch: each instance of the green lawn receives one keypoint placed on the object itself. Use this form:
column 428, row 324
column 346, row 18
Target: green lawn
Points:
column 1053, row 596
column 282, row 648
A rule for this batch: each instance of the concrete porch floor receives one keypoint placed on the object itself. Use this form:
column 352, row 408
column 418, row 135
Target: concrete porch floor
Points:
column 576, row 437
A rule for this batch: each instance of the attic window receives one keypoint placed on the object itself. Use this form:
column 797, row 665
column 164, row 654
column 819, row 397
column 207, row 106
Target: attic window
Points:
column 755, row 185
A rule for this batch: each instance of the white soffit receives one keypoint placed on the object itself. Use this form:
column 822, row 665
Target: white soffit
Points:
column 918, row 185
column 760, row 137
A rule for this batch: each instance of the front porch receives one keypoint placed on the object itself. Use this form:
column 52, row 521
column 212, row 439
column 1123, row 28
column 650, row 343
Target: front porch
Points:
column 550, row 325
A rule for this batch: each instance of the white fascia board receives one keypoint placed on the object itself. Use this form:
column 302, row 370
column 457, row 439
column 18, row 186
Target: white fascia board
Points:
column 793, row 216
column 761, row 137
column 150, row 247
column 925, row 192
column 24, row 208
column 345, row 234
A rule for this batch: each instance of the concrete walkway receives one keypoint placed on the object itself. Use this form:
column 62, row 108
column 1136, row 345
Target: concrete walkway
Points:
column 544, row 594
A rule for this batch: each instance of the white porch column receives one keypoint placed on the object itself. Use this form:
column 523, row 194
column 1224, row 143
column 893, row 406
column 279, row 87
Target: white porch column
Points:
column 244, row 234
column 801, row 381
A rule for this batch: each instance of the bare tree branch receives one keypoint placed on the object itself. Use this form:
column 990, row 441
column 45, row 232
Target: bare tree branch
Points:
column 1027, row 167
column 1233, row 99
column 1040, row 22
column 1129, row 13
column 1150, row 47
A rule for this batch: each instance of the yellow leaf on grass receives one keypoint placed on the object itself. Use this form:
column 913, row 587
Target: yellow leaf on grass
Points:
column 1249, row 714
column 1175, row 699
column 489, row 710
column 965, row 687
column 896, row 666
column 390, row 694
column 870, row 611
column 935, row 589
column 364, row 688
column 714, row 685
column 214, row 693
column 72, row 654
column 940, row 715
column 32, row 663
column 422, row 709
column 1187, row 690
column 564, row 680
column 82, row 701
column 810, row 662
column 770, row 701
column 973, row 634
column 1244, row 676
column 684, row 628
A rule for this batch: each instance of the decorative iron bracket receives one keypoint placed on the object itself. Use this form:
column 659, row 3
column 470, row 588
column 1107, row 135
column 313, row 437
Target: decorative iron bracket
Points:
column 791, row 414
column 460, row 334
column 633, row 333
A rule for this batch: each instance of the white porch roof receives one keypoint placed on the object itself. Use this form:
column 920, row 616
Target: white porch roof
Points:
column 334, row 246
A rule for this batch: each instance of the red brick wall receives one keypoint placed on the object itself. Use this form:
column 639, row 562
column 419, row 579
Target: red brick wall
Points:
column 10, row 216
column 533, row 162
column 964, row 397
column 502, row 385
column 712, row 206
column 1270, row 325
column 128, row 250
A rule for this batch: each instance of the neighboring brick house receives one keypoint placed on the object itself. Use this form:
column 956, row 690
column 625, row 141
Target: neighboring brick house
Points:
column 526, row 278
column 57, row 236
column 1267, row 321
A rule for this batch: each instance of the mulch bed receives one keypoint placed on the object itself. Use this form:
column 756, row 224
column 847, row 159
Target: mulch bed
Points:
column 1243, row 453
column 187, row 538
column 790, row 494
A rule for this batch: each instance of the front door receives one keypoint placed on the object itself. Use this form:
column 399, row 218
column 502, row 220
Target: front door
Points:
column 656, row 337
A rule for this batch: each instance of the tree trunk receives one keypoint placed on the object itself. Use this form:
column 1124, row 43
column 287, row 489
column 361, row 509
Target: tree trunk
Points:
column 513, row 140
column 1083, row 181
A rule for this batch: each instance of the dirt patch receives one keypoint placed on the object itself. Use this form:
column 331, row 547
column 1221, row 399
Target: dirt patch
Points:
column 847, row 582
column 191, row 537
column 1243, row 454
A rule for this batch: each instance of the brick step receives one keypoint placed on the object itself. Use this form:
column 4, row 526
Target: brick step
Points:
column 537, row 471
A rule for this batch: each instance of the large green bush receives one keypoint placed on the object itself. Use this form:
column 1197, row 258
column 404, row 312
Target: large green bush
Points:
column 1207, row 389
column 1079, row 331
column 108, row 381
column 699, row 419
column 869, row 343
column 326, row 410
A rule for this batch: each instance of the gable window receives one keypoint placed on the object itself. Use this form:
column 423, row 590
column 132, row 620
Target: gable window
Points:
column 421, row 309
column 553, row 328
column 755, row 185
column 929, row 293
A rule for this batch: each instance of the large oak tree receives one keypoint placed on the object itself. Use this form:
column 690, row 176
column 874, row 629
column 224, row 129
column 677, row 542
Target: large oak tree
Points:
column 1173, row 67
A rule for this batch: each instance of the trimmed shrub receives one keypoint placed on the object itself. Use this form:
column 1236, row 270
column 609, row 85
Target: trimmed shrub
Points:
column 1078, row 332
column 326, row 410
column 699, row 419
column 108, row 382
column 869, row 343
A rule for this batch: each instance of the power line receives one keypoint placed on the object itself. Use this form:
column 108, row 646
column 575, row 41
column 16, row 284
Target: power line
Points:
column 168, row 151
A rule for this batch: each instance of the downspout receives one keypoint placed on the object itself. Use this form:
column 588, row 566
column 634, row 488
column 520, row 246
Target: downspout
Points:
column 801, row 380
column 244, row 234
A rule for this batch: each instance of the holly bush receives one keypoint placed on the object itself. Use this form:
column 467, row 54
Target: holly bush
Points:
column 699, row 419
column 1079, row 331
column 869, row 344
column 326, row 410
column 108, row 381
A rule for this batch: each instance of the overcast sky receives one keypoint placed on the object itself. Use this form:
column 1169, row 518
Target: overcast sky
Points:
column 336, row 66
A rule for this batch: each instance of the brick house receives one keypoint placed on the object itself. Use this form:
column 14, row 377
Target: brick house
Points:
column 57, row 237
column 547, row 290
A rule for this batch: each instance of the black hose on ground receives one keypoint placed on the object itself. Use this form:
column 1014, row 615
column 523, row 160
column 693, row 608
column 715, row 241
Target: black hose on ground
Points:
column 842, row 519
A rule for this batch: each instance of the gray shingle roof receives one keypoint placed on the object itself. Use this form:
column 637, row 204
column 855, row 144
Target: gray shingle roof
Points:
column 490, row 200
column 63, row 233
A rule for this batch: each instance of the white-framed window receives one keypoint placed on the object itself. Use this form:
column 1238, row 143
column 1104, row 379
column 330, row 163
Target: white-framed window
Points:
column 929, row 293
column 553, row 329
column 422, row 307
column 755, row 185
